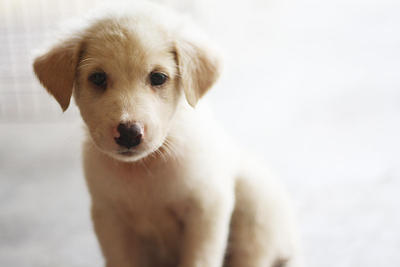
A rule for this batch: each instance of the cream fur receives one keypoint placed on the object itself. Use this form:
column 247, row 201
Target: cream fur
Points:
column 186, row 196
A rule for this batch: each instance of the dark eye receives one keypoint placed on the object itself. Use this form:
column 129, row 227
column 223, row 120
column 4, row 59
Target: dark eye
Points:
column 157, row 78
column 99, row 79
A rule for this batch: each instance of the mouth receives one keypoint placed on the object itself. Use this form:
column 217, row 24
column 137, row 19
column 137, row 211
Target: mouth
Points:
column 133, row 154
column 127, row 153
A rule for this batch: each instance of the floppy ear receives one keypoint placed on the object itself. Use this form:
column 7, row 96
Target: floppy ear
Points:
column 56, row 70
column 199, row 69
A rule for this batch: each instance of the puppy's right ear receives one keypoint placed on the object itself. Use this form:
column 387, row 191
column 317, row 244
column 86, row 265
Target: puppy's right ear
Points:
column 56, row 70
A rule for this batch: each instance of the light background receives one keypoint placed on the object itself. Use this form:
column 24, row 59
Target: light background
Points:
column 311, row 85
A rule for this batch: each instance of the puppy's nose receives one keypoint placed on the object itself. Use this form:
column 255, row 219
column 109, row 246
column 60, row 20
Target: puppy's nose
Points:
column 130, row 135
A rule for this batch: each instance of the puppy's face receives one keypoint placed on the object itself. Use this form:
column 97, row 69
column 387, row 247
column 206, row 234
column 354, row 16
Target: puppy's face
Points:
column 127, row 76
column 127, row 87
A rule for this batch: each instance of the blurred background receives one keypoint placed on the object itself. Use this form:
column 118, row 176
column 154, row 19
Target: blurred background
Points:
column 313, row 86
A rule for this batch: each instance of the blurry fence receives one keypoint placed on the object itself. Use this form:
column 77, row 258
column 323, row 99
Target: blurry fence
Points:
column 24, row 26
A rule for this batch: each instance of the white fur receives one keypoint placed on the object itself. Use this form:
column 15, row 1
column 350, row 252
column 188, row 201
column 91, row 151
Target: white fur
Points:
column 187, row 197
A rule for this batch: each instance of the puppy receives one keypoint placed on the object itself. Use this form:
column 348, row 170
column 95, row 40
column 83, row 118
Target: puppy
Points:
column 168, row 188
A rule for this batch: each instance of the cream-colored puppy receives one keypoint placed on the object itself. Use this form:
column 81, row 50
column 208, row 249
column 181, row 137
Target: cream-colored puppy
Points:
column 167, row 187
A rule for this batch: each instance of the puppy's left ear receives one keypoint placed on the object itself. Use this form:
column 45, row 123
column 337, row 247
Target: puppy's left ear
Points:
column 56, row 70
column 199, row 68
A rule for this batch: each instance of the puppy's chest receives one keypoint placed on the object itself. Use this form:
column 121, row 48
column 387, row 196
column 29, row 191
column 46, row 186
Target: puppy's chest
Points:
column 152, row 205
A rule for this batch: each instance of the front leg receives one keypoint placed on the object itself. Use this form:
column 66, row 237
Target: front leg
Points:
column 206, row 232
column 118, row 243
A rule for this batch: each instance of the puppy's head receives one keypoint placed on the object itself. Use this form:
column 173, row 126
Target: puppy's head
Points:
column 128, row 75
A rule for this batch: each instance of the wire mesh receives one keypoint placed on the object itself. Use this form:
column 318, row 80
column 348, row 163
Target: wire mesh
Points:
column 24, row 26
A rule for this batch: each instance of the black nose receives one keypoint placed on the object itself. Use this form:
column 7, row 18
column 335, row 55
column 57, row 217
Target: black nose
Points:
column 130, row 135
